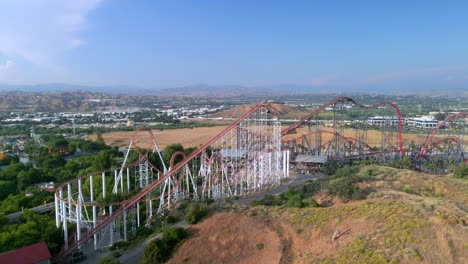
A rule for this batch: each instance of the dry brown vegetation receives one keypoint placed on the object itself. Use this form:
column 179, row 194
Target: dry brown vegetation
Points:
column 188, row 137
column 409, row 217
column 374, row 137
column 193, row 137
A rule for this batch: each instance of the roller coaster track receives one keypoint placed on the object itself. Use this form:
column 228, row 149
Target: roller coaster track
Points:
column 126, row 205
column 350, row 140
column 347, row 99
column 425, row 148
column 139, row 196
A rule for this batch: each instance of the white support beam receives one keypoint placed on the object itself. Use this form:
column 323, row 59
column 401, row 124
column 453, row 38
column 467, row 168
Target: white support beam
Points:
column 103, row 184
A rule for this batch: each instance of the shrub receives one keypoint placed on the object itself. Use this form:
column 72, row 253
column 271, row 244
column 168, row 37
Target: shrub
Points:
column 143, row 231
column 159, row 250
column 461, row 171
column 346, row 171
column 330, row 167
column 295, row 201
column 259, row 246
column 172, row 236
column 155, row 252
column 311, row 202
column 195, row 212
column 108, row 260
column 345, row 188
column 408, row 189
column 270, row 200
column 289, row 193
column 171, row 219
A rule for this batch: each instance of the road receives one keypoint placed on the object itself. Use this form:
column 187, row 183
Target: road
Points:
column 38, row 209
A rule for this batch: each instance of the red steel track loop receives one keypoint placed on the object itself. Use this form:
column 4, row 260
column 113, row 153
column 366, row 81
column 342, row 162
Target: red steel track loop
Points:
column 424, row 149
column 347, row 99
column 128, row 203
column 438, row 143
column 347, row 139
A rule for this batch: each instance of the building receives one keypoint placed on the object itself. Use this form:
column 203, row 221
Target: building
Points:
column 423, row 122
column 382, row 120
column 307, row 164
column 33, row 254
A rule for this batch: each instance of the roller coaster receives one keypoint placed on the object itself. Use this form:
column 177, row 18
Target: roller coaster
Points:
column 251, row 154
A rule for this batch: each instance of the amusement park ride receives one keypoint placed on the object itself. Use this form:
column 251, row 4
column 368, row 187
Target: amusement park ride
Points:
column 250, row 154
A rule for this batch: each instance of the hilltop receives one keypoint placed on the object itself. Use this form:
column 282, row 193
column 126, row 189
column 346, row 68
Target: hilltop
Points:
column 406, row 217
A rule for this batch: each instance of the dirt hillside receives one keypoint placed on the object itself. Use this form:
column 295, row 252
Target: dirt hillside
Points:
column 408, row 217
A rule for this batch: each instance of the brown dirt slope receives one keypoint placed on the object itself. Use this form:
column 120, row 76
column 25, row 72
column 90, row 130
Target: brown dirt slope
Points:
column 231, row 238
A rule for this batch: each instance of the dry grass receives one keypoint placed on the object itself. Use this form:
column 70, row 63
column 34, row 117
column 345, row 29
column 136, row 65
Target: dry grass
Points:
column 188, row 137
column 374, row 137
column 193, row 137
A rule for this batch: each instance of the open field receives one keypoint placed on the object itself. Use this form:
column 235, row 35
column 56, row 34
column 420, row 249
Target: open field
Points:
column 193, row 137
column 374, row 137
column 188, row 137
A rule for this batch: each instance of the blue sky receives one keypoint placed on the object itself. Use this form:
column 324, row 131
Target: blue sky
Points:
column 399, row 44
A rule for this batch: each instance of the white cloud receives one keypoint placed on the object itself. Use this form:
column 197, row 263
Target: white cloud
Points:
column 39, row 31
column 5, row 69
column 7, row 65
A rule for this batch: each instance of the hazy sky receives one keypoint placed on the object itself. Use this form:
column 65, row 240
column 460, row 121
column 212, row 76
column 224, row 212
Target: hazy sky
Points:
column 170, row 43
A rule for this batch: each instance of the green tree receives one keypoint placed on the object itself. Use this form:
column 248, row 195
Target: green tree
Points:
column 6, row 188
column 345, row 188
column 169, row 150
column 103, row 160
column 99, row 138
column 330, row 167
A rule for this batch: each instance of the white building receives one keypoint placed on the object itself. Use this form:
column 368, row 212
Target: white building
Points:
column 382, row 120
column 423, row 122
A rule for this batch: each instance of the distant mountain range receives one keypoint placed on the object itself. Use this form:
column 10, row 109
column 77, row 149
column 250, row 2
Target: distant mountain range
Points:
column 61, row 87
column 204, row 90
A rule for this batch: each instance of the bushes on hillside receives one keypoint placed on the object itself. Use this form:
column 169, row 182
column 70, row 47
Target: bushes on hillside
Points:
column 155, row 252
column 345, row 188
column 293, row 197
column 195, row 212
column 172, row 236
column 461, row 171
column 330, row 167
column 295, row 201
column 159, row 250
column 344, row 185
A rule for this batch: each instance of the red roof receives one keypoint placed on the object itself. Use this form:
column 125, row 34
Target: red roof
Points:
column 27, row 255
